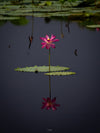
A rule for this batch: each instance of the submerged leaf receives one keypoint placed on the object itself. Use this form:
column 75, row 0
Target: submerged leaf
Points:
column 42, row 69
column 60, row 73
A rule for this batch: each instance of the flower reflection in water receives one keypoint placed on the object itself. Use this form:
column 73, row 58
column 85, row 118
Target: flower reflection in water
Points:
column 97, row 29
column 50, row 103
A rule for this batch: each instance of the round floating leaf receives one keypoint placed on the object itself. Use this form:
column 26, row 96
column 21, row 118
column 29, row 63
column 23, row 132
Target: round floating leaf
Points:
column 60, row 73
column 42, row 69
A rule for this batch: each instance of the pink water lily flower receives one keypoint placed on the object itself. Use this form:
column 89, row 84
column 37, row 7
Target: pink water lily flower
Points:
column 50, row 104
column 48, row 42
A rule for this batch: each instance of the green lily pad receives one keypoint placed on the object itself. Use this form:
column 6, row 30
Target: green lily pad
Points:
column 60, row 73
column 42, row 69
column 93, row 26
column 8, row 18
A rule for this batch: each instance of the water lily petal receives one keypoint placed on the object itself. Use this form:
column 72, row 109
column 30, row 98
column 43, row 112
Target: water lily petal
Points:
column 48, row 108
column 43, row 46
column 54, row 99
column 47, row 46
column 43, row 106
column 48, row 99
column 43, row 43
column 55, row 40
column 52, row 45
column 47, row 37
column 44, row 39
column 54, row 108
column 52, row 37
column 45, row 99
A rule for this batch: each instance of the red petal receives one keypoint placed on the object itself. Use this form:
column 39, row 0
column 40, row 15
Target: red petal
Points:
column 54, row 99
column 47, row 46
column 54, row 108
column 45, row 99
column 53, row 45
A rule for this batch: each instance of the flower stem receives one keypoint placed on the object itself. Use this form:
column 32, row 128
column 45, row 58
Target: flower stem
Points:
column 49, row 86
column 49, row 59
column 49, row 77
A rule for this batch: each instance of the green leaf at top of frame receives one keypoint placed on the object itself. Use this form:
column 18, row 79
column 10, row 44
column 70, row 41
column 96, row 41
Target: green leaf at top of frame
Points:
column 42, row 69
column 60, row 73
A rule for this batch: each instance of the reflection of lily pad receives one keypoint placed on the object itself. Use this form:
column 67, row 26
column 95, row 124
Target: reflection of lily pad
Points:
column 21, row 21
column 93, row 26
column 41, row 69
column 60, row 73
column 2, row 22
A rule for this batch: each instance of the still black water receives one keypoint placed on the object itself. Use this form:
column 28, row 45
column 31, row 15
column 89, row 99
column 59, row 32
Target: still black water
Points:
column 21, row 93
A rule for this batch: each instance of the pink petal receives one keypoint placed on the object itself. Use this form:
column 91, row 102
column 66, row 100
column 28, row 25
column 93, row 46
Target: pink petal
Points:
column 47, row 37
column 48, row 108
column 97, row 29
column 55, row 40
column 43, row 46
column 44, row 39
column 47, row 46
column 54, row 108
column 54, row 99
column 48, row 99
column 52, row 37
column 43, row 43
column 45, row 99
column 43, row 106
column 53, row 45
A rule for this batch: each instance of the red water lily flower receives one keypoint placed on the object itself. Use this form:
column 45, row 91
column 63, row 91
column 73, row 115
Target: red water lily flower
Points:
column 50, row 104
column 48, row 42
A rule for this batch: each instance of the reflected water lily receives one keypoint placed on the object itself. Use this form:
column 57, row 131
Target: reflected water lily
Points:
column 97, row 29
column 48, row 42
column 50, row 103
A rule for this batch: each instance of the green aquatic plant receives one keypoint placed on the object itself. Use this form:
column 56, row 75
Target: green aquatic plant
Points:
column 42, row 69
column 21, row 21
column 93, row 26
column 60, row 73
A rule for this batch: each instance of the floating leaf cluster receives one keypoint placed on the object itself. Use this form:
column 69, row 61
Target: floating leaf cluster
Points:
column 9, row 10
column 54, row 70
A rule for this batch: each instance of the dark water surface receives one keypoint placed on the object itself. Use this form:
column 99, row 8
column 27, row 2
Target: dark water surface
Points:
column 21, row 93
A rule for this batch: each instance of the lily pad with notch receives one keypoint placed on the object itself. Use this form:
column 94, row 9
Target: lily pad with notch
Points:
column 37, row 69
